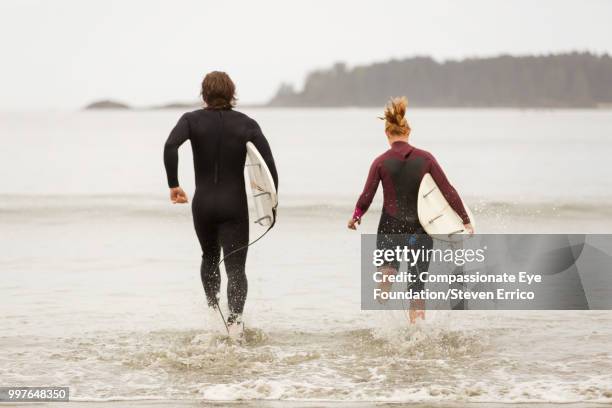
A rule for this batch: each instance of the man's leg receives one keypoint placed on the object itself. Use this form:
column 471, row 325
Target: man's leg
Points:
column 234, row 236
column 209, row 271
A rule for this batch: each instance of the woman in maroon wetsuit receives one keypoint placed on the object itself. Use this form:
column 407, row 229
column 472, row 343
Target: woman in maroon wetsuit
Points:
column 400, row 171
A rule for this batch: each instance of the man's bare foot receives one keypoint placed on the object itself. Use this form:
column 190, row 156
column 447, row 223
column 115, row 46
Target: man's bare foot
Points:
column 235, row 327
column 417, row 310
column 236, row 331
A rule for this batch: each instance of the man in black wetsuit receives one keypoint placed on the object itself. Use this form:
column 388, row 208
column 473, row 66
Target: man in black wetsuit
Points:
column 218, row 136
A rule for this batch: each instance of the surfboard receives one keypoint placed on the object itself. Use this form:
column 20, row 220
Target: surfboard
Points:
column 262, row 186
column 436, row 215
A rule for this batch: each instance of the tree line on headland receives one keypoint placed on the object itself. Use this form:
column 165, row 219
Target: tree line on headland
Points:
column 577, row 80
column 570, row 80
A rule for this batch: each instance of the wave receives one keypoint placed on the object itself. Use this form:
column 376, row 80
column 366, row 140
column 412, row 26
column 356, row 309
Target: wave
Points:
column 143, row 205
column 418, row 364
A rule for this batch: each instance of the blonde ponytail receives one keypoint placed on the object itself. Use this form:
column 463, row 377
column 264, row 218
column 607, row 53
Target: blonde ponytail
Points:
column 395, row 122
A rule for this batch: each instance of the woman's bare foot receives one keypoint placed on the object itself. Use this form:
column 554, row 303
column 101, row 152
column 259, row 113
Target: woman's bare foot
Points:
column 417, row 310
column 385, row 286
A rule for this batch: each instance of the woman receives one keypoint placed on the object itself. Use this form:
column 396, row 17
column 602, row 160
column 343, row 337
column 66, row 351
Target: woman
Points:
column 400, row 170
column 218, row 136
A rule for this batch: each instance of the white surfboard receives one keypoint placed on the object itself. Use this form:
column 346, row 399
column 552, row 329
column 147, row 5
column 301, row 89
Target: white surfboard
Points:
column 262, row 186
column 436, row 215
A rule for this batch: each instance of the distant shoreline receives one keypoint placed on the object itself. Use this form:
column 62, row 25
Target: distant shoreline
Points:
column 111, row 104
column 564, row 80
column 572, row 80
column 179, row 106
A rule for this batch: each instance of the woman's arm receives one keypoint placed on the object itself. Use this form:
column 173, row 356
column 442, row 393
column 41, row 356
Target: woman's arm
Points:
column 369, row 191
column 447, row 190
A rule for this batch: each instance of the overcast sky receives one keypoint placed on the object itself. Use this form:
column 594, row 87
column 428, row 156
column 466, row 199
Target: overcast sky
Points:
column 66, row 53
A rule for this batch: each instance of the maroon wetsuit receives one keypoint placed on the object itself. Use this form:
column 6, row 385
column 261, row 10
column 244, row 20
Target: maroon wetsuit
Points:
column 400, row 170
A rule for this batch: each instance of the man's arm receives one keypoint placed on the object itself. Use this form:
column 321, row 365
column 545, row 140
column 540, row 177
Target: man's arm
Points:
column 177, row 137
column 262, row 145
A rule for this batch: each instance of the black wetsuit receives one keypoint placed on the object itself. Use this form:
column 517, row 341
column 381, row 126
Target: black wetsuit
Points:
column 220, row 212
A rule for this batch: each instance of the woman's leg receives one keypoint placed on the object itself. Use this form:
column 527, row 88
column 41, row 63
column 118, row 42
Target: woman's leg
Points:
column 234, row 236
column 388, row 237
column 420, row 240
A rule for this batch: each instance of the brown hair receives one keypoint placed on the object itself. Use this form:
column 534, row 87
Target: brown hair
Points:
column 218, row 90
column 395, row 122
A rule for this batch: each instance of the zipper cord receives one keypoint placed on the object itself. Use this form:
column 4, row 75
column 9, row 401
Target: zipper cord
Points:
column 218, row 154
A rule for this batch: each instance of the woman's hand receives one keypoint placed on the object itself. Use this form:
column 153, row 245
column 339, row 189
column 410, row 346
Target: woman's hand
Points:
column 353, row 222
column 178, row 196
column 468, row 228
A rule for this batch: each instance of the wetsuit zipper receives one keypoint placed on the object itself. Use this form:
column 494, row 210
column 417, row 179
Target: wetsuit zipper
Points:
column 217, row 156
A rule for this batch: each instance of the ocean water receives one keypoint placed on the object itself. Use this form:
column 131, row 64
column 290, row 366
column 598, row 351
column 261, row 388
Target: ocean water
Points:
column 100, row 286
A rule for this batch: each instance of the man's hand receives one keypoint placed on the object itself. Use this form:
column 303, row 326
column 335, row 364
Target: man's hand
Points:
column 178, row 196
column 353, row 222
column 468, row 228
